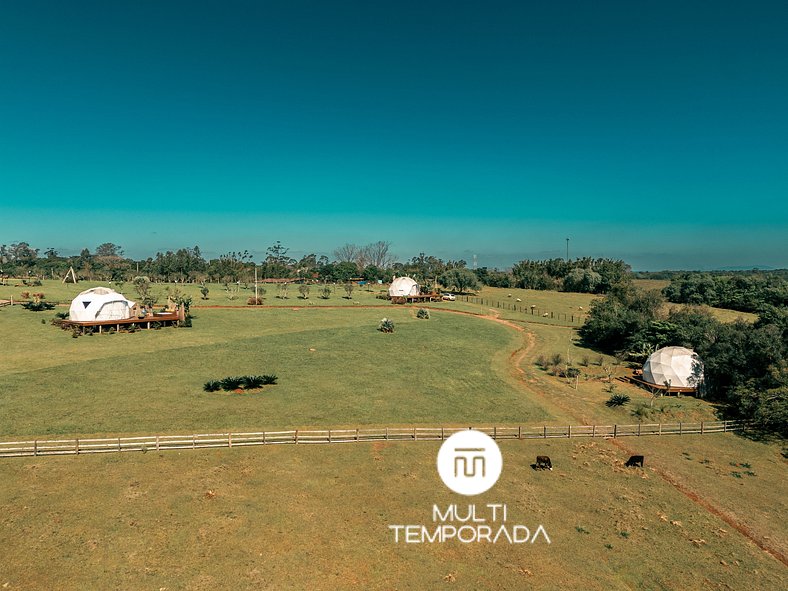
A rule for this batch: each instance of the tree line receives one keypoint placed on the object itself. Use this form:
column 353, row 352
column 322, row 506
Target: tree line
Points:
column 371, row 262
column 742, row 292
column 745, row 365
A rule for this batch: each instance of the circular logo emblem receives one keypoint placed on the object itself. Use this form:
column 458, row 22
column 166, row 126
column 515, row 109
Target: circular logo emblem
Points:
column 469, row 462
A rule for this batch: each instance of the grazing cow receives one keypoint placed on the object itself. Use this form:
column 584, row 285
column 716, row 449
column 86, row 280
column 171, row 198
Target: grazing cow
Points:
column 543, row 462
column 634, row 461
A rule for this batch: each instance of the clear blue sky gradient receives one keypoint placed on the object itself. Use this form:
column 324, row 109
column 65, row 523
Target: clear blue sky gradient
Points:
column 654, row 132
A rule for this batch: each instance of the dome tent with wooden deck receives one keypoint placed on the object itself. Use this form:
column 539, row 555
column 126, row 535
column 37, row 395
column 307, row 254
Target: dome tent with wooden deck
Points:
column 103, row 309
column 671, row 370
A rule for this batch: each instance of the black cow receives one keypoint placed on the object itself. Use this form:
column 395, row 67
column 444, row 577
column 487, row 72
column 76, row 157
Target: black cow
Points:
column 543, row 462
column 634, row 461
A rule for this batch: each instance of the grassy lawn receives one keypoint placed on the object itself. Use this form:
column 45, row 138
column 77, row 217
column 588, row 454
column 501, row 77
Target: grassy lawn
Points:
column 334, row 369
column 317, row 517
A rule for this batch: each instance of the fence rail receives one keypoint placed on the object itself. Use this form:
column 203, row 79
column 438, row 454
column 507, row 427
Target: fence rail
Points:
column 50, row 447
column 573, row 318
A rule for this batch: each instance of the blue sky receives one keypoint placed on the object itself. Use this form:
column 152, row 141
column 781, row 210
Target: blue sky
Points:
column 656, row 132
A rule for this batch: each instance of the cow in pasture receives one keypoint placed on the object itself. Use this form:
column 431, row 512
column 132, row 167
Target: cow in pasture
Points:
column 634, row 461
column 543, row 462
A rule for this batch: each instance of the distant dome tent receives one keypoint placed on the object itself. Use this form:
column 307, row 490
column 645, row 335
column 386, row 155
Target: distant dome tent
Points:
column 99, row 303
column 675, row 368
column 403, row 287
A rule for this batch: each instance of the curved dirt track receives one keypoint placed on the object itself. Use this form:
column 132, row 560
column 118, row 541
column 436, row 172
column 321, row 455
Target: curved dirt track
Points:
column 732, row 520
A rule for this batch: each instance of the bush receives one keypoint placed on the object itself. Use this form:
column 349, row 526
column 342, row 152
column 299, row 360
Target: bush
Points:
column 252, row 382
column 61, row 315
column 38, row 306
column 617, row 400
column 542, row 362
column 325, row 293
column 133, row 327
column 231, row 383
column 557, row 359
column 423, row 313
column 303, row 289
column 386, row 325
column 254, row 301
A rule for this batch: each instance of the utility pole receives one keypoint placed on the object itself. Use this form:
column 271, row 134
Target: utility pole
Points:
column 255, row 283
column 567, row 250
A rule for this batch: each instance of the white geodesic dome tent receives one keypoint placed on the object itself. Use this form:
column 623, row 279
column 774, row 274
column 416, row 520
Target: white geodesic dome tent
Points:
column 679, row 365
column 403, row 286
column 99, row 303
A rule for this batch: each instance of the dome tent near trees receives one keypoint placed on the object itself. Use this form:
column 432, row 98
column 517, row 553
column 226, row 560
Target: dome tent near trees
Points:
column 674, row 369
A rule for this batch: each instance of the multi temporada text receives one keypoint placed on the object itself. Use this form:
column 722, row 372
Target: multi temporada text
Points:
column 489, row 525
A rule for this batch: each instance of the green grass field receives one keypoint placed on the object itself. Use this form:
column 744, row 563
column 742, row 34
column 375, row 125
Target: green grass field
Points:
column 334, row 369
column 316, row 517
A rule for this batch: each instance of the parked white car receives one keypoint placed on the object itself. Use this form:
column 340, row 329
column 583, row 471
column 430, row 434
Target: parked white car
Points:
column 448, row 296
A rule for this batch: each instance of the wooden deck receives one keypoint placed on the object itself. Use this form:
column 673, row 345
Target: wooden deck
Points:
column 655, row 388
column 157, row 320
column 425, row 297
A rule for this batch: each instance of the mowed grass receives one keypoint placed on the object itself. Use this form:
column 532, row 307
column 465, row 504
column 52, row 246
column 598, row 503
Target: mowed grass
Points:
column 334, row 367
column 317, row 517
column 57, row 291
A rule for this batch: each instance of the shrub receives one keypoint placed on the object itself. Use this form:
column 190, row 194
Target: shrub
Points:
column 303, row 289
column 38, row 306
column 204, row 291
column 212, row 386
column 641, row 412
column 557, row 359
column 61, row 315
column 386, row 325
column 255, row 301
column 269, row 379
column 252, row 382
column 325, row 293
column 617, row 400
column 423, row 313
column 133, row 327
column 231, row 383
column 584, row 361
column 542, row 362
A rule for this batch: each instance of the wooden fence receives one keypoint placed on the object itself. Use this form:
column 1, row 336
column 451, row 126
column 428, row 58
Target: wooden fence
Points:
column 573, row 318
column 49, row 447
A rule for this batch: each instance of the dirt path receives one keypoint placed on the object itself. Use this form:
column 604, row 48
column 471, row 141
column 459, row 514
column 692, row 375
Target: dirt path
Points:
column 516, row 359
column 728, row 517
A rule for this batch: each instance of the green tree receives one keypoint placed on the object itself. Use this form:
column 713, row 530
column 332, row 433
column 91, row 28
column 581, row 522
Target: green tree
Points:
column 459, row 279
